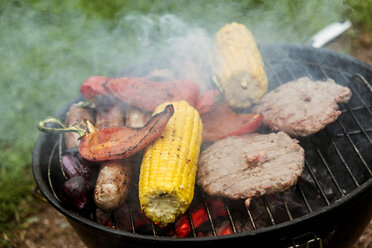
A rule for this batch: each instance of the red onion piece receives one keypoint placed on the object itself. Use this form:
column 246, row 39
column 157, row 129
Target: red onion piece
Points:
column 75, row 192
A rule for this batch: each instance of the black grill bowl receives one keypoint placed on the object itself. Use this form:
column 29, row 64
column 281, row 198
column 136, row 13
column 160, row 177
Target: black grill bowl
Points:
column 336, row 186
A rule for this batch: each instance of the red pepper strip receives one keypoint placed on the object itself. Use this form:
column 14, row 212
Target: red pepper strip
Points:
column 146, row 94
column 122, row 142
column 222, row 122
column 94, row 86
column 208, row 101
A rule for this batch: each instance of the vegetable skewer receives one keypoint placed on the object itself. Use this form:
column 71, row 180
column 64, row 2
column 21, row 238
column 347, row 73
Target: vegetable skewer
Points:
column 112, row 143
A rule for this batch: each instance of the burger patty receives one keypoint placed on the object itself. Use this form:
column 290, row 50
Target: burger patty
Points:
column 242, row 167
column 302, row 107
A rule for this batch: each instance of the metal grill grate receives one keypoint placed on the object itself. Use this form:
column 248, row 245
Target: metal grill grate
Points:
column 337, row 160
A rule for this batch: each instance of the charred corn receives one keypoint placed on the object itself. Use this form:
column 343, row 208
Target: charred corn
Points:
column 168, row 169
column 240, row 69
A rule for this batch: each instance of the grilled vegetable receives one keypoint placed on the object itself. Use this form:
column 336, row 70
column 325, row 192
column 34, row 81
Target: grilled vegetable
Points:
column 222, row 122
column 122, row 142
column 94, row 86
column 139, row 92
column 81, row 177
column 208, row 101
column 112, row 143
column 240, row 69
column 167, row 175
column 74, row 165
column 75, row 192
column 146, row 94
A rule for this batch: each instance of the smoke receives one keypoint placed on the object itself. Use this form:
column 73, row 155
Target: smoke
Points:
column 167, row 42
column 48, row 49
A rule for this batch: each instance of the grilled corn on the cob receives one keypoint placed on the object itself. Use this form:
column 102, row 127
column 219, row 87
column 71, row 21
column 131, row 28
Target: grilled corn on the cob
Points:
column 240, row 68
column 169, row 165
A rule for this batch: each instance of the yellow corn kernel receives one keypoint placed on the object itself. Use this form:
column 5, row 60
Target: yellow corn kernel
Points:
column 240, row 68
column 168, row 169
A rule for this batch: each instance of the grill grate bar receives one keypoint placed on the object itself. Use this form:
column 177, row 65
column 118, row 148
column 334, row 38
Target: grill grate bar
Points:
column 355, row 118
column 354, row 132
column 304, row 198
column 330, row 172
column 286, row 206
column 191, row 223
column 153, row 229
column 274, row 73
column 365, row 106
column 251, row 219
column 368, row 85
column 270, row 215
column 131, row 219
column 208, row 214
column 321, row 155
column 359, row 124
column 344, row 162
column 229, row 215
column 317, row 182
column 355, row 148
column 356, row 108
column 365, row 82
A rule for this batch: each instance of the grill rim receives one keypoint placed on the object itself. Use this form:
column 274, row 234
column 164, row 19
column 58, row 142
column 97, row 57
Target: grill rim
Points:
column 319, row 213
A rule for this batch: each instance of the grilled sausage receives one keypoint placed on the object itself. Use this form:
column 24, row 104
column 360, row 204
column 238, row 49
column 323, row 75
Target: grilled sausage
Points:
column 109, row 116
column 113, row 177
column 112, row 184
column 135, row 117
column 113, row 180
column 75, row 114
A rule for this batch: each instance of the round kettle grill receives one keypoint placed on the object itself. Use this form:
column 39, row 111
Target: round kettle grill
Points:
column 329, row 207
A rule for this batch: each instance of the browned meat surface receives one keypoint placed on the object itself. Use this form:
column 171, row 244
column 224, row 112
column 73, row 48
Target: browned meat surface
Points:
column 302, row 107
column 242, row 167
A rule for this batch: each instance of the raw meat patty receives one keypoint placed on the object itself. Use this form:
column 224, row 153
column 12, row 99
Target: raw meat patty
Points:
column 242, row 167
column 302, row 107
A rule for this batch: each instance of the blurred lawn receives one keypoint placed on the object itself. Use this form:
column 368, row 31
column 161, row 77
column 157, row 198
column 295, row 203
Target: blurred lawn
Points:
column 49, row 47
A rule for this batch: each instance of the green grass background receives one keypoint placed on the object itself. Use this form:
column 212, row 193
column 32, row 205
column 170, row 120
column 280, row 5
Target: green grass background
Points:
column 48, row 48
